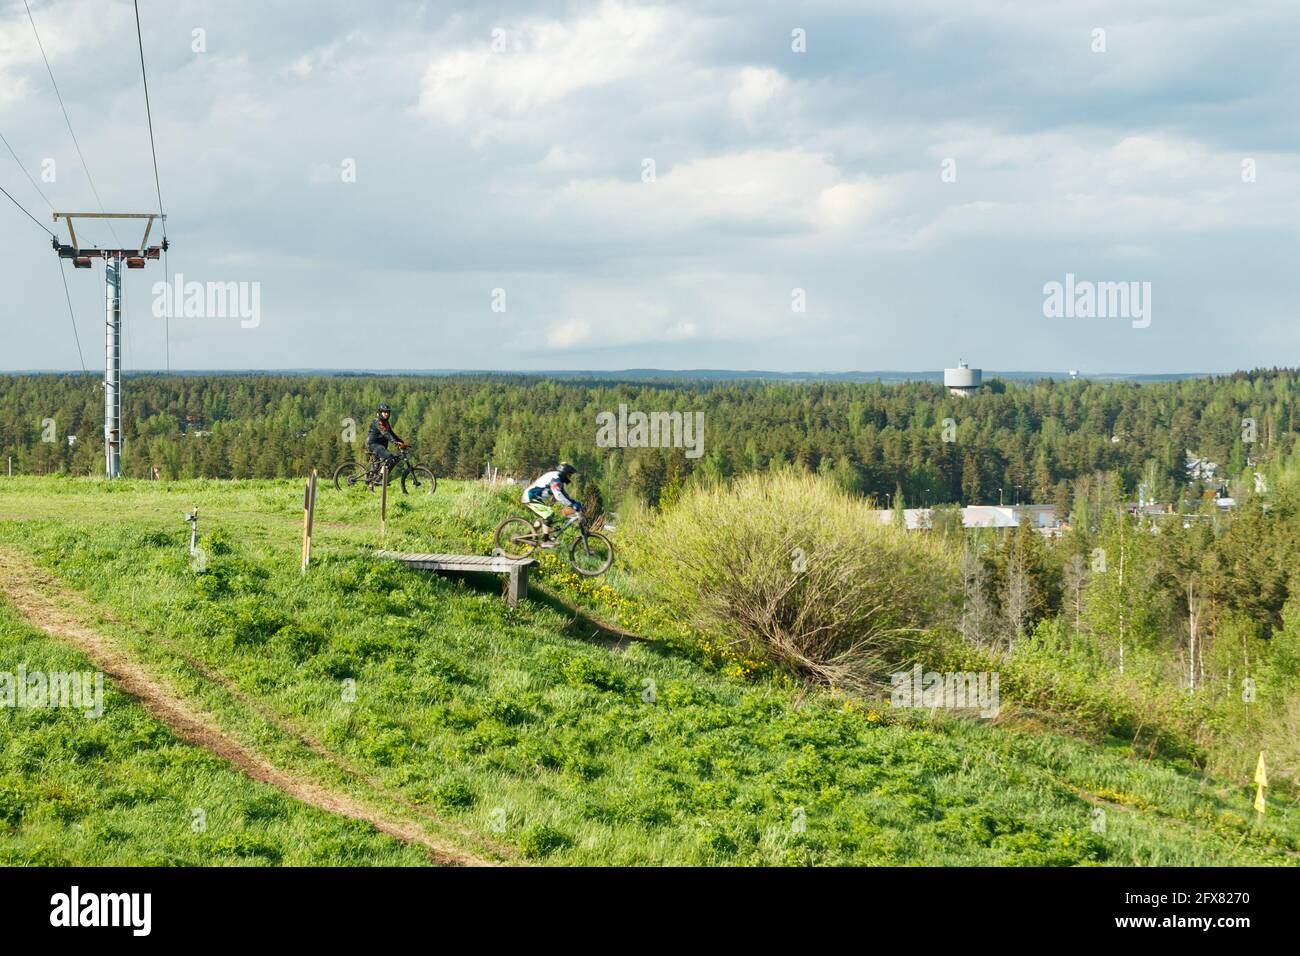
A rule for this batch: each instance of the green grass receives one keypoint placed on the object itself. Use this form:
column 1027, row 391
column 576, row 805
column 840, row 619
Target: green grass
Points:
column 523, row 729
column 121, row 789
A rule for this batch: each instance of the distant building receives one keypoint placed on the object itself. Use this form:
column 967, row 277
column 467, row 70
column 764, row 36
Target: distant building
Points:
column 1040, row 517
column 1008, row 516
column 962, row 380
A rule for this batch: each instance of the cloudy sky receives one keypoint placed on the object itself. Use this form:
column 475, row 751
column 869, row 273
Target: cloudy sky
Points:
column 618, row 184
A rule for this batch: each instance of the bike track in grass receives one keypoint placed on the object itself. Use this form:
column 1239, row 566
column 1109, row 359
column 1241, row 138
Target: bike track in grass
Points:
column 30, row 589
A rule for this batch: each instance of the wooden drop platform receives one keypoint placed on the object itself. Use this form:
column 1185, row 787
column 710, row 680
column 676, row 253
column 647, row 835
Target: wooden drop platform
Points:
column 515, row 568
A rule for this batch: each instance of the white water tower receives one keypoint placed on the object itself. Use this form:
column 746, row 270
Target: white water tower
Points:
column 962, row 380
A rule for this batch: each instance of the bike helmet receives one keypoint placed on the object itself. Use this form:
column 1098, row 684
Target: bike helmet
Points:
column 385, row 407
column 566, row 469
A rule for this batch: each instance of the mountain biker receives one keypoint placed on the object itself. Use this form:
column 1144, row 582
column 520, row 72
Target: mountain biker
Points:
column 550, row 487
column 381, row 433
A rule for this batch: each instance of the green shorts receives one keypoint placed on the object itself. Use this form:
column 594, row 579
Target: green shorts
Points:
column 545, row 512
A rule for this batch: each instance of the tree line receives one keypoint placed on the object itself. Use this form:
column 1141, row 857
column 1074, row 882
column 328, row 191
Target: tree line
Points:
column 911, row 441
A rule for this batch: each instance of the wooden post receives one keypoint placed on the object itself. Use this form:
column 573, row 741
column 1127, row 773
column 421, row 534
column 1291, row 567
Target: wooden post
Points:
column 517, row 587
column 383, row 504
column 308, row 519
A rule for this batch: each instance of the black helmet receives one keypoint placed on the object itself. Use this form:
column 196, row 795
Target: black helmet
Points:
column 566, row 469
column 385, row 407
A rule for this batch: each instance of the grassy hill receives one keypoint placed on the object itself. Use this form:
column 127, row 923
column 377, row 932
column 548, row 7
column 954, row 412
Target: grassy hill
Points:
column 544, row 733
column 123, row 790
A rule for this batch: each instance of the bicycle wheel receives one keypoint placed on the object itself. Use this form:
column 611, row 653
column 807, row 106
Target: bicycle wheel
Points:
column 419, row 478
column 592, row 555
column 349, row 476
column 515, row 537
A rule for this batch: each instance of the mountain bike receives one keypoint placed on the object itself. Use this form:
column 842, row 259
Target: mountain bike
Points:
column 411, row 477
column 590, row 552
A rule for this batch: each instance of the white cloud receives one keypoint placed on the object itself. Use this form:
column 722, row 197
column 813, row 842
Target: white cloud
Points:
column 546, row 61
column 754, row 89
column 679, row 307
column 845, row 204
column 774, row 170
column 569, row 333
column 785, row 190
column 1088, row 185
column 72, row 29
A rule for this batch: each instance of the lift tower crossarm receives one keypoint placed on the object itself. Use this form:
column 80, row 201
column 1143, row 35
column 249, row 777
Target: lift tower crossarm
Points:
column 76, row 251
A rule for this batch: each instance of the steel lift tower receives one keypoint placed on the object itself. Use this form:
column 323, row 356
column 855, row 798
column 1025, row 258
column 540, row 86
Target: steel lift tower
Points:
column 133, row 258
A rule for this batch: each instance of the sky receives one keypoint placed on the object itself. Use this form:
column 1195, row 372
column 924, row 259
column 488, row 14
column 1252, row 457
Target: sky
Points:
column 819, row 186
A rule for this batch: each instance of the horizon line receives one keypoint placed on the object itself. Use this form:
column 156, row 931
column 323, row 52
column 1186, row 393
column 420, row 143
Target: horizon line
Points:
column 643, row 370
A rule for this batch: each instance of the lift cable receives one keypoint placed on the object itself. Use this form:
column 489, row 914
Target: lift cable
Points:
column 66, row 119
column 30, row 179
column 157, row 182
column 26, row 213
column 62, row 272
column 153, row 149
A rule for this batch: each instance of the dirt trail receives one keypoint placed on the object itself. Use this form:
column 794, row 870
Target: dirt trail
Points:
column 28, row 587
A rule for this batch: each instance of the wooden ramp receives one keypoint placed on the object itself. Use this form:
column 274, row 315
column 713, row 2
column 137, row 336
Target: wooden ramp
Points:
column 516, row 568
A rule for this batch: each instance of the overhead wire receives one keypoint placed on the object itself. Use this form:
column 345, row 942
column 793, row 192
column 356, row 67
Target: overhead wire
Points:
column 66, row 119
column 63, row 274
column 153, row 150
column 29, row 176
column 157, row 182
column 26, row 213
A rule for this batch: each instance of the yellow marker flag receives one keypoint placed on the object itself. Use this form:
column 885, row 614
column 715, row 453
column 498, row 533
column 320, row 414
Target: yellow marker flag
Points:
column 1261, row 781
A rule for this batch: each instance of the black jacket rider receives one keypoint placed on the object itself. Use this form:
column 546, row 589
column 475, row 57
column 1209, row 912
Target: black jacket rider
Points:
column 381, row 433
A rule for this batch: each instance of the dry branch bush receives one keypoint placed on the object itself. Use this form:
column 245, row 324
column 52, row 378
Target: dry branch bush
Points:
column 801, row 574
column 979, row 624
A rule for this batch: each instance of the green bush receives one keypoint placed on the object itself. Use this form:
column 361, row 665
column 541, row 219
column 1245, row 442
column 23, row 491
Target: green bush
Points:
column 453, row 795
column 540, row 840
column 12, row 806
column 799, row 574
column 217, row 542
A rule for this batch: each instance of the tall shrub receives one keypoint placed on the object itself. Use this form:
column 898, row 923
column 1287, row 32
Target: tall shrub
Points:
column 800, row 574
